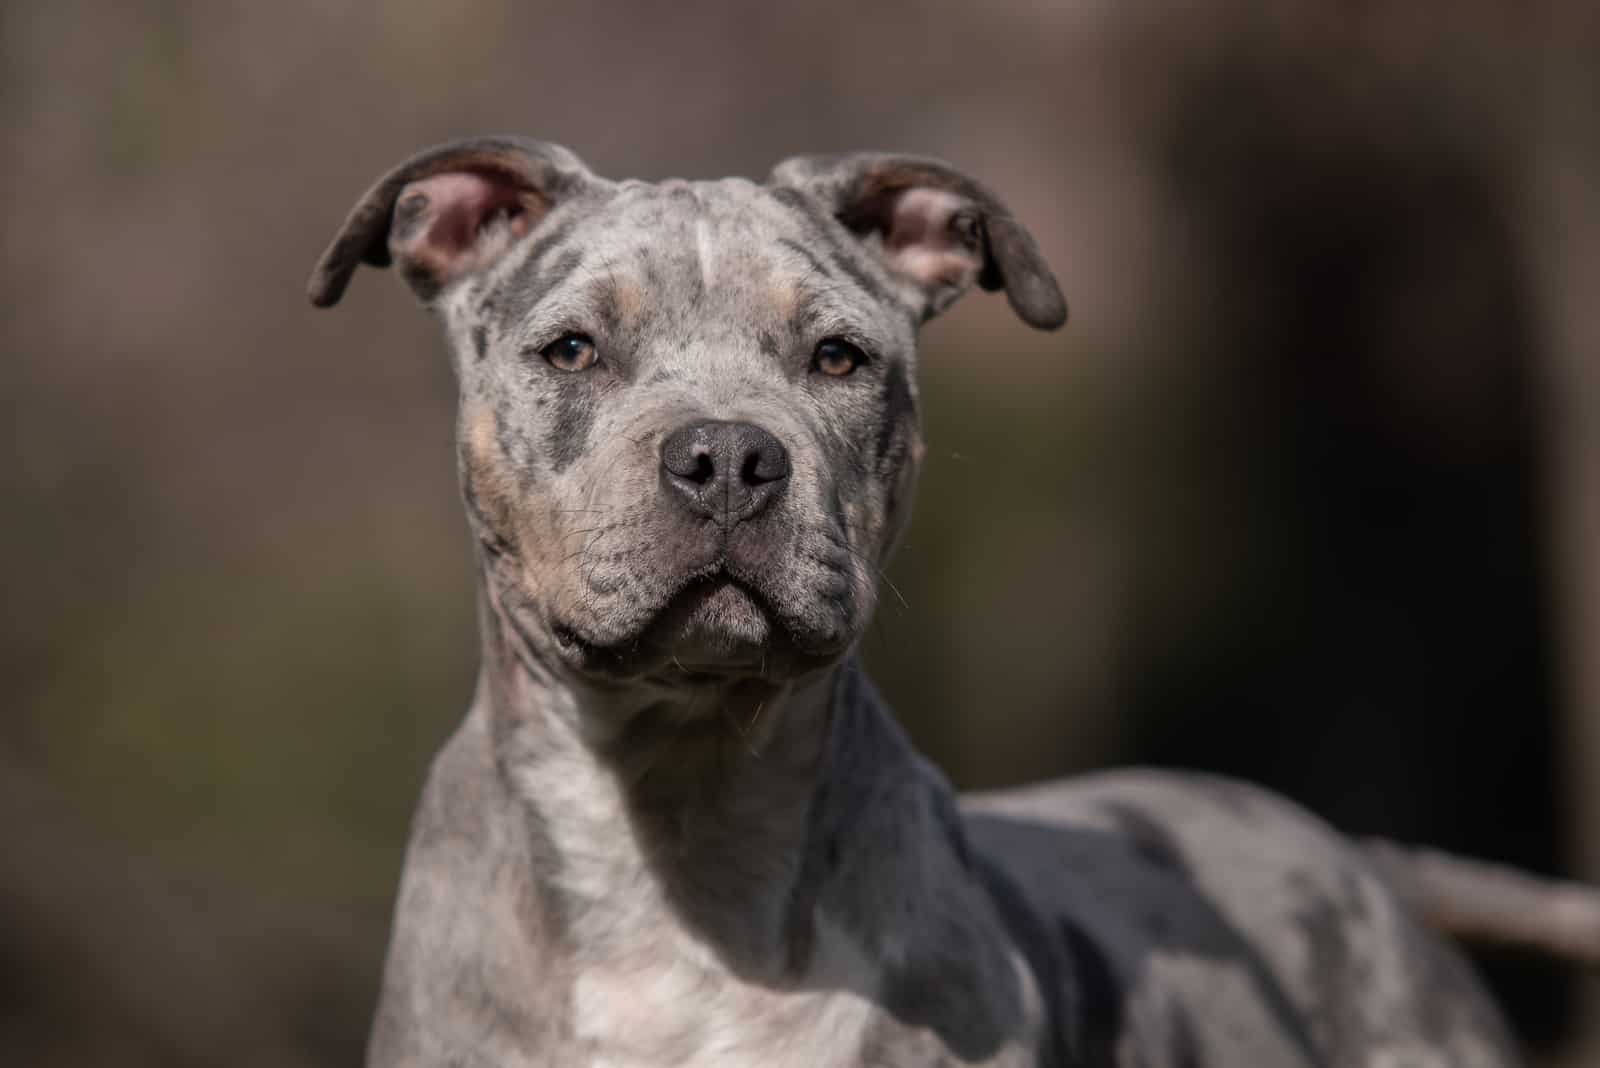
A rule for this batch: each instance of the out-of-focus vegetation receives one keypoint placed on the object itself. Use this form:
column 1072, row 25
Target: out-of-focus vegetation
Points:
column 1308, row 490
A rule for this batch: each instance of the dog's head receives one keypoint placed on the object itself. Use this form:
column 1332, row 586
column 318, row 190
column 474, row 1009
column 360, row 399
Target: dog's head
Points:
column 688, row 431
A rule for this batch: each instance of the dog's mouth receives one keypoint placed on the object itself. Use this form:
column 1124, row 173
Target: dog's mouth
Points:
column 716, row 628
column 714, row 623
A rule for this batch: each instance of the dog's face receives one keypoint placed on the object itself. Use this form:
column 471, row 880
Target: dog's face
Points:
column 688, row 431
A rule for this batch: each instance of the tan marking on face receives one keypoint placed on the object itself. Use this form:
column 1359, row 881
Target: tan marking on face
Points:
column 499, row 495
column 630, row 301
column 785, row 297
column 493, row 484
column 480, row 436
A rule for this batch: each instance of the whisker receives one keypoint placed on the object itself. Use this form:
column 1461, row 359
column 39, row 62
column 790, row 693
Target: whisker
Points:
column 741, row 731
column 843, row 543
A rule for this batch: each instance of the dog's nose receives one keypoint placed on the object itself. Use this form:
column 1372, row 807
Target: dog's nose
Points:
column 724, row 471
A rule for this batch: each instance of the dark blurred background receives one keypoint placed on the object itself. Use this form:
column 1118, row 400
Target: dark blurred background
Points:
column 1308, row 491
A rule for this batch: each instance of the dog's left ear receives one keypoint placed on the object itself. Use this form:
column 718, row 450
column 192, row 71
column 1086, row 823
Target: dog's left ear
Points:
column 933, row 227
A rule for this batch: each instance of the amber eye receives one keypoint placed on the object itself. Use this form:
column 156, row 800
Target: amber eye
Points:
column 570, row 352
column 836, row 357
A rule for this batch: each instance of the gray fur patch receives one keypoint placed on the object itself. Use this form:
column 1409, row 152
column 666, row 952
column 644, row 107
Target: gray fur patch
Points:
column 899, row 409
column 567, row 438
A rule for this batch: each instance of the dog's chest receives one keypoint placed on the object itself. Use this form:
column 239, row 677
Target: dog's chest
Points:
column 685, row 1021
column 668, row 1007
column 647, row 993
column 681, row 1016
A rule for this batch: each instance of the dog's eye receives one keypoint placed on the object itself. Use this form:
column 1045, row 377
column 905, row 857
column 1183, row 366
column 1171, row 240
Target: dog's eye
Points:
column 836, row 357
column 570, row 352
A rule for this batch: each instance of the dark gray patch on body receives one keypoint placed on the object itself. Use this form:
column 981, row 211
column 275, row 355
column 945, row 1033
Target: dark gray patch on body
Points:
column 553, row 906
column 1197, row 927
column 1097, row 1013
column 1185, row 1051
column 955, row 981
column 799, row 924
column 830, row 810
column 952, row 977
column 1031, row 935
column 480, row 341
column 948, row 817
column 1333, row 990
column 1148, row 839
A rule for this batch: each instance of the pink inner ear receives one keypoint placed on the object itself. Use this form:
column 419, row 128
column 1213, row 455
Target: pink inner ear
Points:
column 921, row 244
column 442, row 224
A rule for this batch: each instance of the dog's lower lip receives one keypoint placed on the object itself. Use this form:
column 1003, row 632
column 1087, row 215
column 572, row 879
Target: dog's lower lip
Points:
column 575, row 644
column 568, row 635
column 667, row 648
column 652, row 642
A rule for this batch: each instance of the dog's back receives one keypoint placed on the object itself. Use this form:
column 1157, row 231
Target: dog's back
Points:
column 1196, row 921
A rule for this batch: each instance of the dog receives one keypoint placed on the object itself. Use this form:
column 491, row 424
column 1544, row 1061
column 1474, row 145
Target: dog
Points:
column 678, row 826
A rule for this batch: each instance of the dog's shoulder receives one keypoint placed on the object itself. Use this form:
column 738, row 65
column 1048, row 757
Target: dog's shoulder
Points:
column 1184, row 912
column 470, row 930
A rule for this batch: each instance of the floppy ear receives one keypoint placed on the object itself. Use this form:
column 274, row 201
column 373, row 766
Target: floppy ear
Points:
column 933, row 227
column 449, row 211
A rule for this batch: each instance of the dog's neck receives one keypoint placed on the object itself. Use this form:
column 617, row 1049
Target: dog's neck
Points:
column 710, row 811
column 792, row 832
column 784, row 864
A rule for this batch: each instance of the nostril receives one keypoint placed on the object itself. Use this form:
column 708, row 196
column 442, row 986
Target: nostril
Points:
column 767, row 462
column 689, row 457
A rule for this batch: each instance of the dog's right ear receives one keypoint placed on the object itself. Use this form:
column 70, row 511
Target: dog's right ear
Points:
column 448, row 212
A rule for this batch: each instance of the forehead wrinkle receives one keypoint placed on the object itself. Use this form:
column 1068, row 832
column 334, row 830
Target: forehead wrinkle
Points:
column 598, row 289
column 594, row 297
column 827, row 306
column 567, row 308
column 823, row 320
column 798, row 251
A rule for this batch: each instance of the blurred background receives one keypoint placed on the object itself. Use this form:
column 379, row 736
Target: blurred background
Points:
column 1309, row 487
